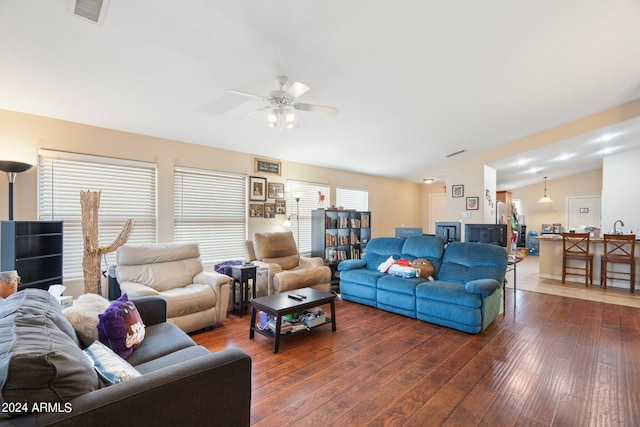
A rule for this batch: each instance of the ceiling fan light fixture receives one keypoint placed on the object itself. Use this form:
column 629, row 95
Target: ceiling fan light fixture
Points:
column 273, row 117
column 289, row 117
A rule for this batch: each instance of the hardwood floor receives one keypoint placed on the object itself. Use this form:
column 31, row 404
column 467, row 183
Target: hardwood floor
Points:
column 549, row 361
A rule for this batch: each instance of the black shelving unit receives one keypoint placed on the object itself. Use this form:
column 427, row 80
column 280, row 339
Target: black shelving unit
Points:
column 345, row 232
column 34, row 249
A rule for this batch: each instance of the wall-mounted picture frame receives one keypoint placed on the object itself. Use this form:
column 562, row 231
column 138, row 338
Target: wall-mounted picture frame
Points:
column 256, row 210
column 457, row 190
column 472, row 204
column 267, row 166
column 269, row 210
column 281, row 207
column 275, row 190
column 257, row 189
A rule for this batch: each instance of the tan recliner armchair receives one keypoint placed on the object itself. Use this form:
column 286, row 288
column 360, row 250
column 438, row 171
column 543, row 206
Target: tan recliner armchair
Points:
column 195, row 298
column 280, row 266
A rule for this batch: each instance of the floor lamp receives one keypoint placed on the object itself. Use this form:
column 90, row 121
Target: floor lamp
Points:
column 296, row 195
column 13, row 169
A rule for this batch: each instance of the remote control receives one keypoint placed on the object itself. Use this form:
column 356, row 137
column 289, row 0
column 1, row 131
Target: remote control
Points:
column 295, row 297
column 300, row 296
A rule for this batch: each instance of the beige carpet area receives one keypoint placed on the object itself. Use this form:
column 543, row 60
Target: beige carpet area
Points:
column 527, row 280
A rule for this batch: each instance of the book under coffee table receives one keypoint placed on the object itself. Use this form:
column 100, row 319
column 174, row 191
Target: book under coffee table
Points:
column 279, row 305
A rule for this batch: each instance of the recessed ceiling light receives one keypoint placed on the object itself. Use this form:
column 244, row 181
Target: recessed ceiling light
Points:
column 607, row 137
column 428, row 180
column 607, row 150
column 564, row 157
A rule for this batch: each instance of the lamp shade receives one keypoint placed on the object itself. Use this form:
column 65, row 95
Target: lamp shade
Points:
column 11, row 166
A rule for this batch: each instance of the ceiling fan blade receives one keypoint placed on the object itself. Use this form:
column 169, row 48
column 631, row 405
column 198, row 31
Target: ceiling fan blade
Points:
column 250, row 95
column 297, row 89
column 252, row 112
column 332, row 111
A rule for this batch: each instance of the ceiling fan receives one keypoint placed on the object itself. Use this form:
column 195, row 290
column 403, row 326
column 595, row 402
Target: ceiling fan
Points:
column 281, row 102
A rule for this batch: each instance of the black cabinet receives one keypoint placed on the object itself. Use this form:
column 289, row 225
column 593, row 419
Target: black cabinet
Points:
column 34, row 249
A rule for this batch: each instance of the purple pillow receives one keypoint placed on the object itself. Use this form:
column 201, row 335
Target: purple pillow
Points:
column 120, row 327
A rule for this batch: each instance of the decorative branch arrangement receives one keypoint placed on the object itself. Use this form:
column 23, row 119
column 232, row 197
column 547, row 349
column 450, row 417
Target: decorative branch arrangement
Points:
column 90, row 203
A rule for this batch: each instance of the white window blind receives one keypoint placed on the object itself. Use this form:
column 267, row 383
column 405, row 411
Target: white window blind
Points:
column 308, row 202
column 351, row 198
column 210, row 209
column 127, row 190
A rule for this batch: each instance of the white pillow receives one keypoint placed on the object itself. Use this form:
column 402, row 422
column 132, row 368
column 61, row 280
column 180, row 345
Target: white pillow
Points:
column 83, row 316
column 112, row 368
column 382, row 268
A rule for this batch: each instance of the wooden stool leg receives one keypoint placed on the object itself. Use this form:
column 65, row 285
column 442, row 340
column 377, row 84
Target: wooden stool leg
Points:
column 632, row 276
column 564, row 268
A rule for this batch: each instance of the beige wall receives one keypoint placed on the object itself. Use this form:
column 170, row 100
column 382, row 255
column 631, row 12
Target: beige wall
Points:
column 392, row 202
column 582, row 184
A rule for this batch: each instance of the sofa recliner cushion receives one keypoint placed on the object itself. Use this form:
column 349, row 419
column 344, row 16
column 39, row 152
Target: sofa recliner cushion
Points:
column 286, row 262
column 188, row 299
column 448, row 292
column 160, row 276
column 39, row 361
column 274, row 245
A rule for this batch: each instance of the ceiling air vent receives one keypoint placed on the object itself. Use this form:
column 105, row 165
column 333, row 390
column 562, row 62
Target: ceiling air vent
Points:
column 93, row 10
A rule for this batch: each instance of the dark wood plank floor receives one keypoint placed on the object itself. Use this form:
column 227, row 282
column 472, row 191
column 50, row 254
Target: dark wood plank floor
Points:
column 549, row 361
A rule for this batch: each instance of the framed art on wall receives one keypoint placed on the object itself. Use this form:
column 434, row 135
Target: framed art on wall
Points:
column 457, row 190
column 269, row 210
column 281, row 207
column 266, row 166
column 256, row 210
column 257, row 189
column 472, row 204
column 275, row 190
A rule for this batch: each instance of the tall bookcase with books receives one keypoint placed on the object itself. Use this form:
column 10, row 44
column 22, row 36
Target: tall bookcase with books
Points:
column 342, row 233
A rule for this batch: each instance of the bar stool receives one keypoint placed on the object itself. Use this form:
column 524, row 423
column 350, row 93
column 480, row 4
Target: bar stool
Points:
column 575, row 246
column 618, row 249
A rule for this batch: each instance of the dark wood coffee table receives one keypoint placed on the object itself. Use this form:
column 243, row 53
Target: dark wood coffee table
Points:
column 279, row 305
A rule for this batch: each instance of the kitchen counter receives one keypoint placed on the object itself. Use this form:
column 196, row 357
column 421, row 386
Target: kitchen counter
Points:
column 550, row 252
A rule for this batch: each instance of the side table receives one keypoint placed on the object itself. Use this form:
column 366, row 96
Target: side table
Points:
column 335, row 275
column 242, row 274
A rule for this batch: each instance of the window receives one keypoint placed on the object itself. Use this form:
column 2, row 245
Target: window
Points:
column 210, row 208
column 127, row 190
column 351, row 198
column 310, row 200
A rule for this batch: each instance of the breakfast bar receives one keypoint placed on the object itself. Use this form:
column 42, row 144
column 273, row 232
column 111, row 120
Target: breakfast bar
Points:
column 550, row 261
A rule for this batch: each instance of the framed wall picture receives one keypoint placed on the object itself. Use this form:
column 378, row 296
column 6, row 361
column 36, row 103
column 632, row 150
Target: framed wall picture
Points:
column 457, row 190
column 269, row 210
column 281, row 207
column 472, row 204
column 266, row 166
column 275, row 190
column 256, row 210
column 257, row 189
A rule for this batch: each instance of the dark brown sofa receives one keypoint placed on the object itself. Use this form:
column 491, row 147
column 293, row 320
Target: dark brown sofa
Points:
column 181, row 383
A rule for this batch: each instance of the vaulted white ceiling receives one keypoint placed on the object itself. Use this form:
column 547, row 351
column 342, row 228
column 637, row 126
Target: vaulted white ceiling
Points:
column 414, row 80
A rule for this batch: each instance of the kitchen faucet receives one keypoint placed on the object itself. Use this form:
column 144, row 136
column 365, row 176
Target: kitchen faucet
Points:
column 615, row 230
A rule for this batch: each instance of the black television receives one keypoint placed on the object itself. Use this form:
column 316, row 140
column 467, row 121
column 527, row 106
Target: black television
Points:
column 448, row 231
column 495, row 234
column 408, row 232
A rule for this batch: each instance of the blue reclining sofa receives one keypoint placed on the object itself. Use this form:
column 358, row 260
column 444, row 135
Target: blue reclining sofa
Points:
column 465, row 293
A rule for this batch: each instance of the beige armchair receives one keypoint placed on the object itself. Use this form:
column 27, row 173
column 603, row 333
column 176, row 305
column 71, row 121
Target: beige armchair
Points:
column 280, row 266
column 195, row 298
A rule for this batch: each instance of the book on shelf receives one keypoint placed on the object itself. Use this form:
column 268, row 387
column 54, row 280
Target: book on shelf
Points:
column 364, row 221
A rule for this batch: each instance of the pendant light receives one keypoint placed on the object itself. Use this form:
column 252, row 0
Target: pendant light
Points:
column 545, row 199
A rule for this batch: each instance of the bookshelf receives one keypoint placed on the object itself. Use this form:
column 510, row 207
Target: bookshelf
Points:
column 344, row 231
column 34, row 249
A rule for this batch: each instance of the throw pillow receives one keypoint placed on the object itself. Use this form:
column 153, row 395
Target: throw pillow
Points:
column 382, row 268
column 112, row 368
column 120, row 327
column 424, row 265
column 83, row 315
